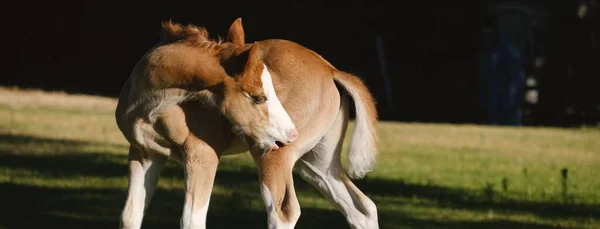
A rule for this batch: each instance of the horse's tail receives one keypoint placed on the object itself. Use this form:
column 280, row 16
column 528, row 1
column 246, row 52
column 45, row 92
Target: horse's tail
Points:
column 363, row 146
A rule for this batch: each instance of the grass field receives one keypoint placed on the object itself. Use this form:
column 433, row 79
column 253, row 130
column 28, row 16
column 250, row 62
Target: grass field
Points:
column 63, row 165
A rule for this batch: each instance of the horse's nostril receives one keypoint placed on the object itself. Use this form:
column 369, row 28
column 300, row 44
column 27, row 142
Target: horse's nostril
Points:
column 294, row 134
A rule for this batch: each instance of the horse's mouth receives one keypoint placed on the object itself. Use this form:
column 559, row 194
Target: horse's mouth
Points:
column 279, row 144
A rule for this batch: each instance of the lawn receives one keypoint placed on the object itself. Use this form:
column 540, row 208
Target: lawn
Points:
column 63, row 164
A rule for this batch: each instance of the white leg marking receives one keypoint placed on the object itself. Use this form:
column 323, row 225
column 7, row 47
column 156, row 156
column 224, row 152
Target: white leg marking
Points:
column 134, row 206
column 273, row 219
column 143, row 179
column 194, row 220
column 279, row 118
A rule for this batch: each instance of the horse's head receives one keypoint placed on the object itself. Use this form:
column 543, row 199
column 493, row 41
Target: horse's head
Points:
column 249, row 99
column 232, row 72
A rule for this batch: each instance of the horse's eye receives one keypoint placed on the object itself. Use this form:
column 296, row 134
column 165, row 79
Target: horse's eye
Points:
column 259, row 99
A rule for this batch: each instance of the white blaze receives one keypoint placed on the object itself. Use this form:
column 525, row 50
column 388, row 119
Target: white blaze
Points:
column 279, row 118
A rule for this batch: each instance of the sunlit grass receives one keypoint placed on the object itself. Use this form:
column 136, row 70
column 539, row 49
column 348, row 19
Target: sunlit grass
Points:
column 63, row 164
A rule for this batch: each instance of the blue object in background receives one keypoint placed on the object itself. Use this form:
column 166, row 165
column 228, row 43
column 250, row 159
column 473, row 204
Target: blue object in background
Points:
column 503, row 83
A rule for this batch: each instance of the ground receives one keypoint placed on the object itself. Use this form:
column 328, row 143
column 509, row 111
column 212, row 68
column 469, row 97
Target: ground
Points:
column 63, row 164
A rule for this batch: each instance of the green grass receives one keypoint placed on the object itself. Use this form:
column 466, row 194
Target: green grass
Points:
column 64, row 165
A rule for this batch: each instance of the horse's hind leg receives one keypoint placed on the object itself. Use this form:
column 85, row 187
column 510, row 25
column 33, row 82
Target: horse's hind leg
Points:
column 144, row 170
column 323, row 169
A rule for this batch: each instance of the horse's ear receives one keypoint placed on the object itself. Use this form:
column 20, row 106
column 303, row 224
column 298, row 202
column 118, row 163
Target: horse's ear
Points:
column 236, row 33
column 253, row 67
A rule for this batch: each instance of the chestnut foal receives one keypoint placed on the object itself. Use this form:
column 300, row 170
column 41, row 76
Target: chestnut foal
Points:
column 194, row 100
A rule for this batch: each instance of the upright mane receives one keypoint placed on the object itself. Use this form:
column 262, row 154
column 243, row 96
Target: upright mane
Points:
column 175, row 32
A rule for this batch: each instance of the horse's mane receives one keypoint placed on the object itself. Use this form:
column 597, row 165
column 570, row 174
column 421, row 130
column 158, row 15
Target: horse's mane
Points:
column 175, row 32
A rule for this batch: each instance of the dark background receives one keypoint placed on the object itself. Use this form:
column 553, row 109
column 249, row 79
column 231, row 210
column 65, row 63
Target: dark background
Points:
column 432, row 49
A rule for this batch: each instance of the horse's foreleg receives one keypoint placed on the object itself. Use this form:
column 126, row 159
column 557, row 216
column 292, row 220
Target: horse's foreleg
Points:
column 277, row 187
column 200, row 164
column 144, row 170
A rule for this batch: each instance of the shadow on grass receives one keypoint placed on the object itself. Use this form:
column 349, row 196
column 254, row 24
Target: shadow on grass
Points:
column 30, row 206
column 38, row 207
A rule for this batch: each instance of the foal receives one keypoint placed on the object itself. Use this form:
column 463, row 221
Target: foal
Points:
column 194, row 100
